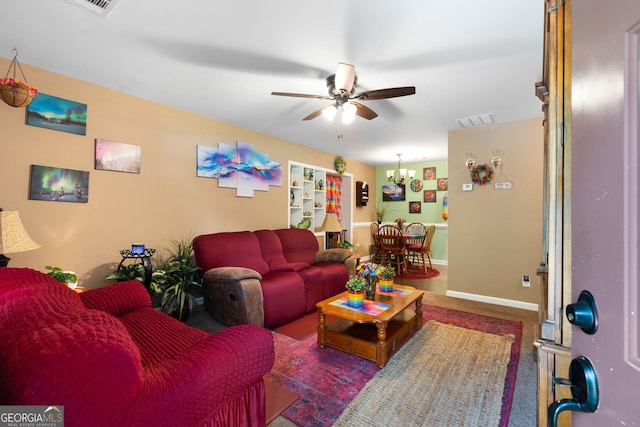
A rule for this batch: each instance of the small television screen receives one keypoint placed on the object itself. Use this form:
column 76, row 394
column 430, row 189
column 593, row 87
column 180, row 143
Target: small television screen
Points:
column 137, row 249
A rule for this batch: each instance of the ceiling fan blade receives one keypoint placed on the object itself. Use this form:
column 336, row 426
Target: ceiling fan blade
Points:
column 385, row 93
column 301, row 95
column 364, row 112
column 316, row 113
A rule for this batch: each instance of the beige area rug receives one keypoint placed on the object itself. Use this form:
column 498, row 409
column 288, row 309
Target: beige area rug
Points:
column 443, row 376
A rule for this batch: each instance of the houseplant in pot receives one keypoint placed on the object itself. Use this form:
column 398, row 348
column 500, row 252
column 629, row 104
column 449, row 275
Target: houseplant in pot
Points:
column 356, row 287
column 173, row 280
column 67, row 277
column 381, row 210
column 386, row 278
column 180, row 280
column 136, row 271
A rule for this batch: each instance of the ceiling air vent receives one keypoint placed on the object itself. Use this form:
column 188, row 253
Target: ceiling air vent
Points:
column 479, row 120
column 99, row 7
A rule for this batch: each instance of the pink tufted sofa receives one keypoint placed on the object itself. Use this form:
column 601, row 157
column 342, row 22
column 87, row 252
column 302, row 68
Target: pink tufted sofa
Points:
column 268, row 277
column 112, row 360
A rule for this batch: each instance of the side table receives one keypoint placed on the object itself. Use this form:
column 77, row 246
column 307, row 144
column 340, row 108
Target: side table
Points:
column 144, row 257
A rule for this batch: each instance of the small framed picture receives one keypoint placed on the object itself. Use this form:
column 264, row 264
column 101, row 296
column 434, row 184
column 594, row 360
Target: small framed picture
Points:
column 415, row 207
column 429, row 174
column 429, row 196
column 443, row 184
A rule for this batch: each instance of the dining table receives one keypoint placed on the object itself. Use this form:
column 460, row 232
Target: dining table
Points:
column 405, row 238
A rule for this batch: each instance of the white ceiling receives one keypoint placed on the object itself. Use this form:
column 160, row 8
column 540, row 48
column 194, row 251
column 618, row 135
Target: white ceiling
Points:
column 223, row 58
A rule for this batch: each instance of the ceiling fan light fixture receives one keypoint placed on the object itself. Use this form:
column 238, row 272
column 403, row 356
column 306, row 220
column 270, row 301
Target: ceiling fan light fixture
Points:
column 348, row 112
column 349, row 109
column 344, row 78
column 341, row 87
column 330, row 112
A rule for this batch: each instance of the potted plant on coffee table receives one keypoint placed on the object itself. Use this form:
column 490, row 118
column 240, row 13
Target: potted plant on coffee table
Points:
column 356, row 287
column 386, row 278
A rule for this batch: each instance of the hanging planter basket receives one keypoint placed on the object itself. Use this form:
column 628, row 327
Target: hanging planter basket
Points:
column 16, row 96
column 15, row 92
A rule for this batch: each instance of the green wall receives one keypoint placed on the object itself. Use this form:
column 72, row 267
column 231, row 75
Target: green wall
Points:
column 430, row 212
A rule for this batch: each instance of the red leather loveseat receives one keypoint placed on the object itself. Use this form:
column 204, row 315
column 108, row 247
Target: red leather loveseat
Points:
column 109, row 359
column 268, row 277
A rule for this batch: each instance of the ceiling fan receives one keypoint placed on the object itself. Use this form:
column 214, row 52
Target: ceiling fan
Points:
column 342, row 87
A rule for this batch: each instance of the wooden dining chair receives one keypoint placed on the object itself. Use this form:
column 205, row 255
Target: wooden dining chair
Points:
column 375, row 252
column 392, row 244
column 416, row 235
column 419, row 238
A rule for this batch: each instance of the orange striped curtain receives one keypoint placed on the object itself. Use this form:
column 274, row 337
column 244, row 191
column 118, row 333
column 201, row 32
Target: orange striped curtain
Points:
column 334, row 195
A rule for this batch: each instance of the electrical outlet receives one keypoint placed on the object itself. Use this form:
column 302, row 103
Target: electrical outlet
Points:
column 526, row 282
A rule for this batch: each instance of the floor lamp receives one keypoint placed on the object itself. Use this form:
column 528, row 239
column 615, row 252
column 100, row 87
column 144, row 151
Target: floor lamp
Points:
column 13, row 236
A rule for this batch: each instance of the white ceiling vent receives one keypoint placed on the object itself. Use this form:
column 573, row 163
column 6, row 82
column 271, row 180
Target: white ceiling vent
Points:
column 99, row 7
column 479, row 120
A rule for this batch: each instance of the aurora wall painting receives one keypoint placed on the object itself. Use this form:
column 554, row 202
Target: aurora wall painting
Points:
column 116, row 156
column 58, row 184
column 51, row 112
column 240, row 167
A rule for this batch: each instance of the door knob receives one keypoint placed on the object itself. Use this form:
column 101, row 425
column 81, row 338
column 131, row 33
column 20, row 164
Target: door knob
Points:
column 584, row 391
column 584, row 313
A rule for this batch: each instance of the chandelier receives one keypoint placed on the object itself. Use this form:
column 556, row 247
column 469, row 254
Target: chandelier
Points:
column 398, row 175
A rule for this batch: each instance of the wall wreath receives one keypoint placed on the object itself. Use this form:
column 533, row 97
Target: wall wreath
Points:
column 481, row 174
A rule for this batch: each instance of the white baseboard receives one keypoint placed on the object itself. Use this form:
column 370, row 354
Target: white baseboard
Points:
column 494, row 300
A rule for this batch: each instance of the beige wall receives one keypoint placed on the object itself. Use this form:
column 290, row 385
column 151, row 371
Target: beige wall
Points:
column 495, row 237
column 165, row 201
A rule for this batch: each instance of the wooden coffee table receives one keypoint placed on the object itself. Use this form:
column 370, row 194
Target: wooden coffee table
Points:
column 371, row 336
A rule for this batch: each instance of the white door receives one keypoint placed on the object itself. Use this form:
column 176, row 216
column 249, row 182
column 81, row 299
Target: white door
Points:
column 604, row 231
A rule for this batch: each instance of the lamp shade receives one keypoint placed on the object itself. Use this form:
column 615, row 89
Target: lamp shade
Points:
column 331, row 223
column 13, row 236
